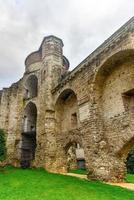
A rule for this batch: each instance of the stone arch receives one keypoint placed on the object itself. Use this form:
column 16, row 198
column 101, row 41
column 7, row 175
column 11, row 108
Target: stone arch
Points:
column 114, row 97
column 71, row 159
column 119, row 61
column 126, row 154
column 28, row 144
column 30, row 117
column 66, row 111
column 74, row 153
column 71, row 138
column 31, row 86
column 126, row 147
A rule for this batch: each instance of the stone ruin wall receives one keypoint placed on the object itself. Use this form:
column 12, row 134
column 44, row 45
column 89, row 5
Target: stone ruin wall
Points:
column 102, row 135
column 102, row 121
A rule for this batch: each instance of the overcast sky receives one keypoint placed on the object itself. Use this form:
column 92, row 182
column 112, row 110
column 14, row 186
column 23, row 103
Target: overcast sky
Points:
column 82, row 25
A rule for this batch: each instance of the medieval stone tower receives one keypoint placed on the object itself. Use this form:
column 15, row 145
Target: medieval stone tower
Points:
column 55, row 118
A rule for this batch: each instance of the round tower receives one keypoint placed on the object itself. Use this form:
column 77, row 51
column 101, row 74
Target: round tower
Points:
column 52, row 46
column 54, row 62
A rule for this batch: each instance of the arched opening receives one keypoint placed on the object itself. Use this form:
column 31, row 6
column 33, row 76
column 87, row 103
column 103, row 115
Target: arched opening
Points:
column 114, row 84
column 127, row 155
column 114, row 98
column 75, row 156
column 67, row 111
column 31, row 87
column 28, row 145
column 30, row 117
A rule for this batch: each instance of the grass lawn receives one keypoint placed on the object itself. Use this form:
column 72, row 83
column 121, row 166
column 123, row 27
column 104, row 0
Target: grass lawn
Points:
column 130, row 178
column 19, row 184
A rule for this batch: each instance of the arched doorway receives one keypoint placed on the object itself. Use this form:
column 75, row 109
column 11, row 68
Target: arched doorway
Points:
column 31, row 87
column 28, row 146
column 126, row 153
column 75, row 157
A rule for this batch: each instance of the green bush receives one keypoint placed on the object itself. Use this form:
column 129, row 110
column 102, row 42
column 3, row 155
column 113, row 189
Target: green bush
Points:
column 2, row 145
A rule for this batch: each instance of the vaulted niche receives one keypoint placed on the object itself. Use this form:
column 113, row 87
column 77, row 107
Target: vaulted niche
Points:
column 31, row 87
column 28, row 146
column 66, row 111
column 114, row 80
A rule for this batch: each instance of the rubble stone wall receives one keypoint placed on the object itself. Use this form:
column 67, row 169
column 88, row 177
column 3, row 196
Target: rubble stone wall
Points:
column 97, row 112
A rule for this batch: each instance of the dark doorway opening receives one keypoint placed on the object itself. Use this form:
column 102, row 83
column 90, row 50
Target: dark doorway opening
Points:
column 130, row 162
column 28, row 146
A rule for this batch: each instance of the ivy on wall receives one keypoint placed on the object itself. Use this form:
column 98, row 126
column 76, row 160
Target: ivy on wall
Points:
column 2, row 145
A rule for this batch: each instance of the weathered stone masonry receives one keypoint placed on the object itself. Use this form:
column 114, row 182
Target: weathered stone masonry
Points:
column 93, row 105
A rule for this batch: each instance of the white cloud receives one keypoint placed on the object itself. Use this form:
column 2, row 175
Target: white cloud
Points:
column 82, row 24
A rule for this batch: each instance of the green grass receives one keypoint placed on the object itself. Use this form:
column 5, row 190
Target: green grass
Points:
column 37, row 184
column 130, row 178
column 78, row 171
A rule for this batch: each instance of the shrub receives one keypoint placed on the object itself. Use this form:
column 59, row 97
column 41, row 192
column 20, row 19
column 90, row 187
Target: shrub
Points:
column 2, row 145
